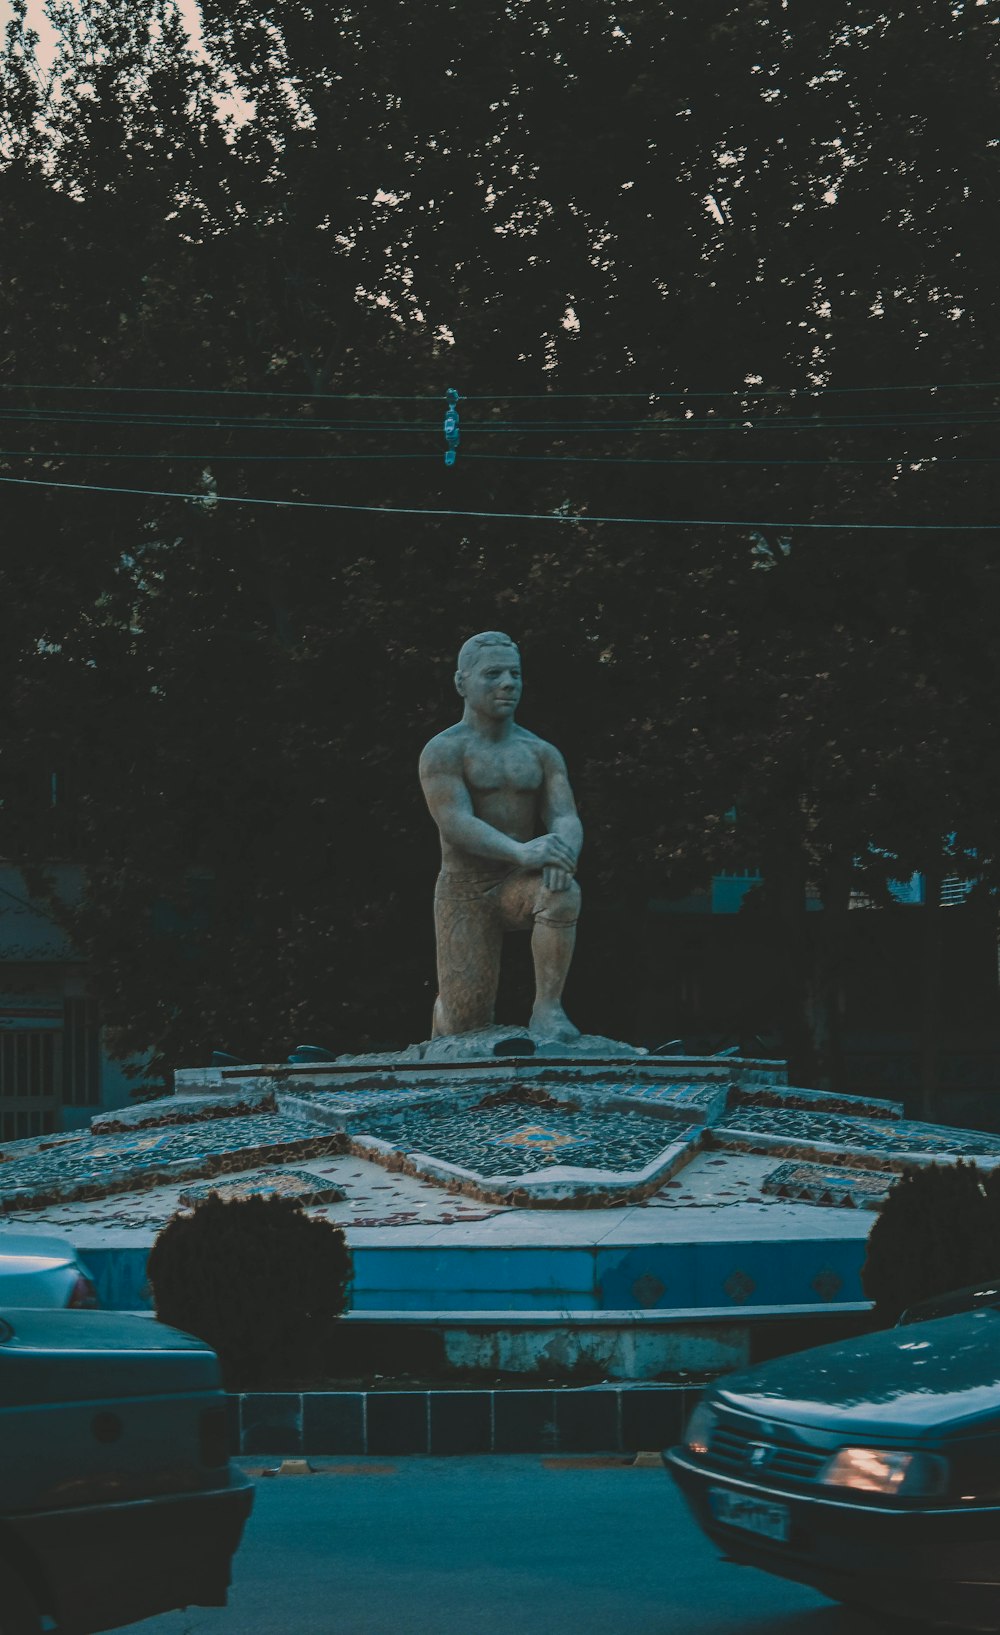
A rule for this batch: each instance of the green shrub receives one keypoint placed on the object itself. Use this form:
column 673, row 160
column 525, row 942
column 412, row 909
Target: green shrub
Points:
column 932, row 1234
column 259, row 1280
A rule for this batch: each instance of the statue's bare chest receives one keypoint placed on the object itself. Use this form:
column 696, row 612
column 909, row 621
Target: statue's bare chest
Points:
column 515, row 769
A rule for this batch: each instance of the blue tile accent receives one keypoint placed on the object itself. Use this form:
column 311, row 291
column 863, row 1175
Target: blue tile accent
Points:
column 333, row 1421
column 397, row 1421
column 567, row 1419
column 524, row 1422
column 654, row 1416
column 587, row 1421
column 461, row 1421
column 272, row 1423
column 538, row 1137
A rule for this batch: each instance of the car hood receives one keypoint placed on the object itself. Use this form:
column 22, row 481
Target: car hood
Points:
column 914, row 1380
column 53, row 1356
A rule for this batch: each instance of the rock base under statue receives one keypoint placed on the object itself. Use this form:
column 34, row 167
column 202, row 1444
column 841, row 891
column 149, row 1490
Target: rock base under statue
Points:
column 488, row 1044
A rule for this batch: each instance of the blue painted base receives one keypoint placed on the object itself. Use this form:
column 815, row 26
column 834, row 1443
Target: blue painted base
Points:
column 712, row 1274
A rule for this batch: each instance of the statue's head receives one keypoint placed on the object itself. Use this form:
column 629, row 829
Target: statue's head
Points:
column 489, row 672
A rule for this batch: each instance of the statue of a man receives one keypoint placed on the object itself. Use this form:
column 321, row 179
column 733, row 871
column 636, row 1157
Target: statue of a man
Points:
column 490, row 786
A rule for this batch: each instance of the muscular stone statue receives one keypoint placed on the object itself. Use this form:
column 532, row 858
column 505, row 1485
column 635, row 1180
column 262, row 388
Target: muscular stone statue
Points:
column 490, row 786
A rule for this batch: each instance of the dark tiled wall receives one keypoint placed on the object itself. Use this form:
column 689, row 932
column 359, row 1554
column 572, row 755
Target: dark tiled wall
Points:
column 598, row 1419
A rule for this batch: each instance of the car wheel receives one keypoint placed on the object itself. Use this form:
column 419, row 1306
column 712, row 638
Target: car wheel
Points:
column 18, row 1613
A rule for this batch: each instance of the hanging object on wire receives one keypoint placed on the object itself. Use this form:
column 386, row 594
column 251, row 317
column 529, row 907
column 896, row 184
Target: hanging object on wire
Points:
column 451, row 435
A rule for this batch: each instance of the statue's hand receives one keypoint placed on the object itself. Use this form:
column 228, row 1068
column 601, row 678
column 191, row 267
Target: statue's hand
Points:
column 548, row 851
column 556, row 879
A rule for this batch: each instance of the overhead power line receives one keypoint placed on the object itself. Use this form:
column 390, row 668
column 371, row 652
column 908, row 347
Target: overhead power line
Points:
column 512, row 516
column 751, row 460
column 742, row 391
column 230, row 391
column 939, row 460
column 179, row 454
column 676, row 425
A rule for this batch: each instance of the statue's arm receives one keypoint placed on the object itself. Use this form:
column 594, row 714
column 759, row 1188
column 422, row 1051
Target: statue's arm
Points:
column 559, row 814
column 450, row 805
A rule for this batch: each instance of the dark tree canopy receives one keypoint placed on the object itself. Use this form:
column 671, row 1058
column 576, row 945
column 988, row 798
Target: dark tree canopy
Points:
column 769, row 227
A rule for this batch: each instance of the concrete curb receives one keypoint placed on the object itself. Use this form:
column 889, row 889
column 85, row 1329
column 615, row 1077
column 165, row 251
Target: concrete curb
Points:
column 624, row 1416
column 560, row 1419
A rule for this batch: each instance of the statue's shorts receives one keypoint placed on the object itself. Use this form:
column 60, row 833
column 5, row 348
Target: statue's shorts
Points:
column 471, row 913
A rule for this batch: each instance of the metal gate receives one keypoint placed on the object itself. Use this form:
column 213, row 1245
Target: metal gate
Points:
column 30, row 1076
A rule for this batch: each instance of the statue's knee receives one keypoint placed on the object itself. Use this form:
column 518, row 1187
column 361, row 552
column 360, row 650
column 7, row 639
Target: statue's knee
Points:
column 559, row 907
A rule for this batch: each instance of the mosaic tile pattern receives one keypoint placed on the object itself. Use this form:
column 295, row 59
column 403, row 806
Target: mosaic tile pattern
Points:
column 94, row 1166
column 832, row 1187
column 120, row 1147
column 34, row 1145
column 342, row 1109
column 366, row 1196
column 603, row 1120
column 537, row 1138
column 868, row 1135
column 793, row 1097
column 495, row 1141
column 694, row 1098
column 299, row 1184
column 184, row 1110
column 685, row 1093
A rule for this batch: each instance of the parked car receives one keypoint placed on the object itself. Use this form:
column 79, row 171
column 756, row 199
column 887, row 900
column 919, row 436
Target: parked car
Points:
column 971, row 1298
column 42, row 1271
column 869, row 1469
column 117, row 1496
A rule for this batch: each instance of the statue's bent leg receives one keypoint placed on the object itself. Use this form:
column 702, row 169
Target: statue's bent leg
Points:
column 469, row 939
column 552, row 944
column 552, row 916
column 560, row 908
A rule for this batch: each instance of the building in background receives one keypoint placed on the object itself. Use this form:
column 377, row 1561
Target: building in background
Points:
column 921, row 1017
column 54, row 1072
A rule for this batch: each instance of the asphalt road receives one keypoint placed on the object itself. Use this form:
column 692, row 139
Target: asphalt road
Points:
column 491, row 1546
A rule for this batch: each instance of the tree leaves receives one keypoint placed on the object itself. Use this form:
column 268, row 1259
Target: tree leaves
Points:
column 745, row 205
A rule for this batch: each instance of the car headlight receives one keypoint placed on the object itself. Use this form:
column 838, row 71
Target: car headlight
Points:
column 699, row 1430
column 887, row 1470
